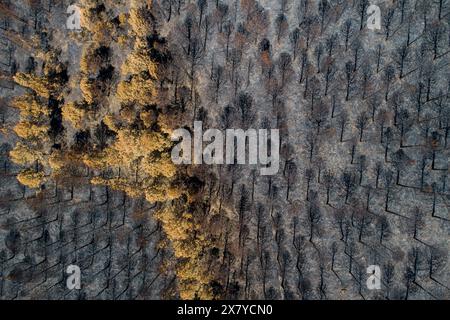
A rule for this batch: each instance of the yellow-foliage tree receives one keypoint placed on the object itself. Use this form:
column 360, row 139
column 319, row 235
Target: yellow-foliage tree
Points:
column 137, row 90
column 139, row 60
column 50, row 83
column 27, row 154
column 41, row 85
column 30, row 107
column 75, row 114
column 141, row 19
column 30, row 178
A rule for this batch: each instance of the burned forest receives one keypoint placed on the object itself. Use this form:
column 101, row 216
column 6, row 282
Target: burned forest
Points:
column 348, row 199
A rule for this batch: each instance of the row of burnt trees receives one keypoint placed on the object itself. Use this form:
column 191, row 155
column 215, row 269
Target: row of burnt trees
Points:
column 109, row 236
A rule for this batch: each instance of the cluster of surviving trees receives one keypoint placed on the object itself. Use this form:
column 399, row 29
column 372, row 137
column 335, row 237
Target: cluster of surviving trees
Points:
column 108, row 124
column 363, row 118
